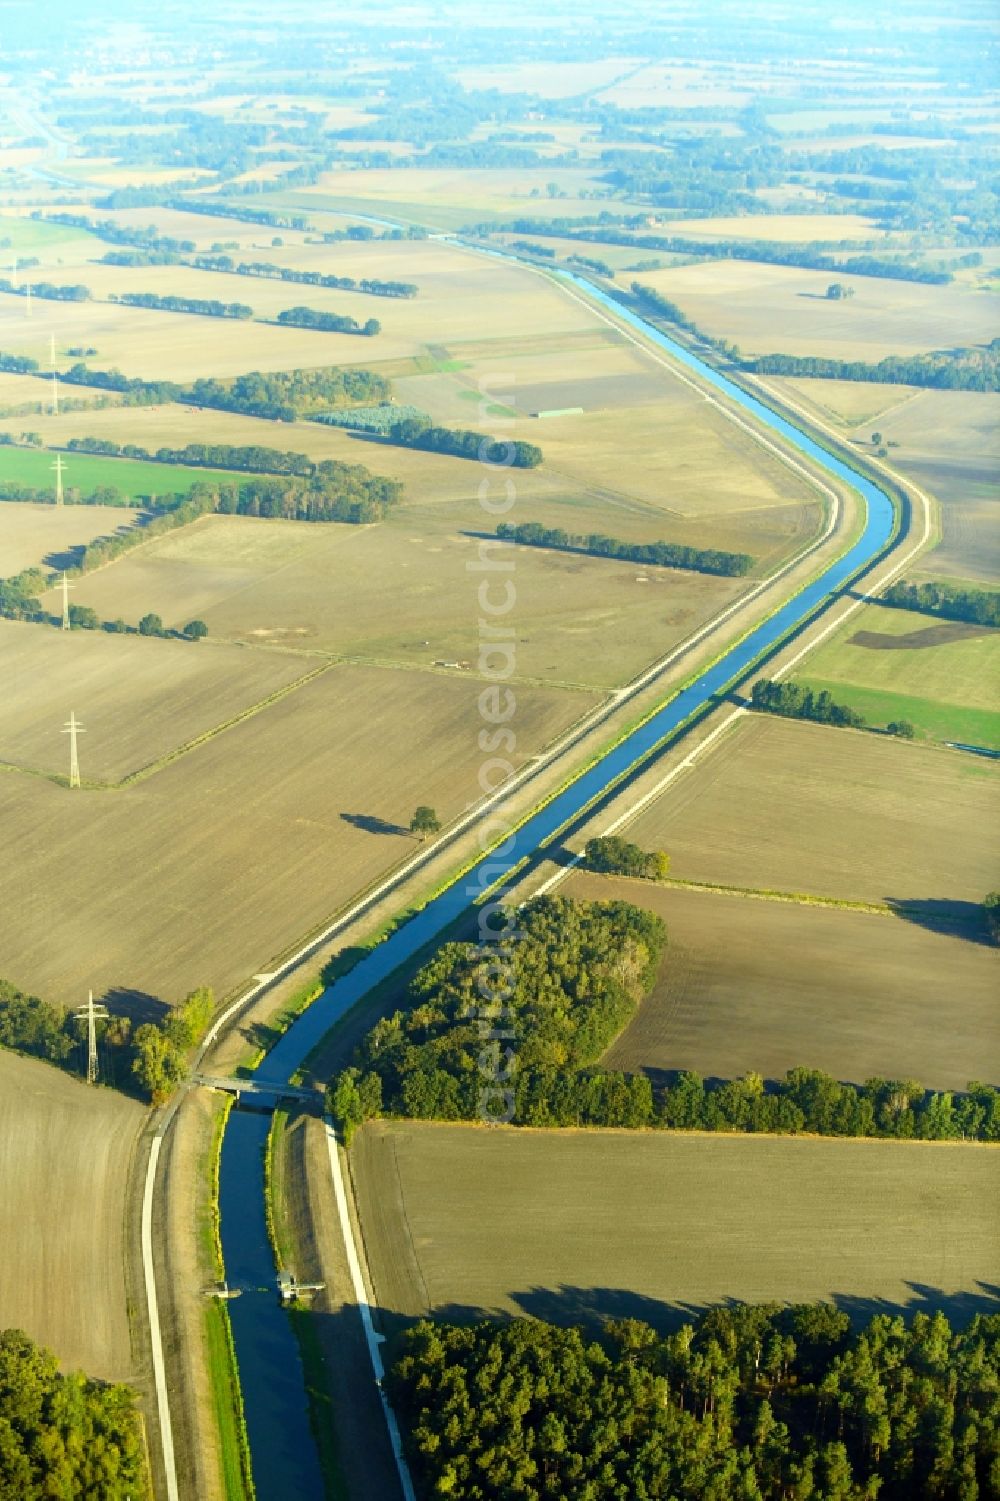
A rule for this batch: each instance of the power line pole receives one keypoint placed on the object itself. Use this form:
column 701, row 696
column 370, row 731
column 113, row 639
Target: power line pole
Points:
column 91, row 1014
column 65, row 602
column 55, row 375
column 27, row 294
column 13, row 274
column 72, row 729
column 58, row 466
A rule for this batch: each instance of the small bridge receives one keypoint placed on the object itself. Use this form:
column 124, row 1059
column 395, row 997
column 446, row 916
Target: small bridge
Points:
column 255, row 1087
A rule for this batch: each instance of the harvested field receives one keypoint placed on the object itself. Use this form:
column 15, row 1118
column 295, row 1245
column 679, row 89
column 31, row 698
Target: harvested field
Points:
column 40, row 535
column 846, row 403
column 576, row 1225
column 579, row 620
column 64, row 1159
column 656, row 453
column 782, row 309
column 202, row 873
column 783, row 805
column 893, row 664
column 462, row 295
column 139, row 699
column 853, row 993
column 786, row 229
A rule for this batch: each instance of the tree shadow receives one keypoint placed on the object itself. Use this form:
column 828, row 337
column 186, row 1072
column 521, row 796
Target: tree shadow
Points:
column 960, row 1308
column 67, row 558
column 370, row 823
column 138, row 1005
column 944, row 915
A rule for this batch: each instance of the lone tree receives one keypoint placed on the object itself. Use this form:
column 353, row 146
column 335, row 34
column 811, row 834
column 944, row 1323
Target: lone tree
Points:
column 837, row 291
column 151, row 625
column 196, row 630
column 425, row 821
column 901, row 727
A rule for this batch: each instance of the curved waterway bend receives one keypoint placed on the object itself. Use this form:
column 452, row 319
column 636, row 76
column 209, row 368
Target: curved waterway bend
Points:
column 281, row 1444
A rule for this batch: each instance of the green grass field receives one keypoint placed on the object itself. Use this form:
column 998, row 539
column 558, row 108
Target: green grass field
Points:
column 133, row 477
column 931, row 720
column 898, row 664
column 29, row 235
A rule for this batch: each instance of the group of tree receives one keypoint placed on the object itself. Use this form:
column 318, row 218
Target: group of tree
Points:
column 418, row 432
column 948, row 601
column 379, row 419
column 152, row 1056
column 577, row 971
column 976, row 368
column 792, row 701
column 206, row 307
column 648, row 554
column 610, row 855
column 748, row 1403
column 328, row 323
column 251, row 458
column 370, row 285
column 64, row 1435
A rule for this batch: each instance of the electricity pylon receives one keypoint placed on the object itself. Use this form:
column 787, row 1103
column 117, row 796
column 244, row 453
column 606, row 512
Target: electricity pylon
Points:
column 72, row 729
column 91, row 1014
column 58, row 466
column 65, row 594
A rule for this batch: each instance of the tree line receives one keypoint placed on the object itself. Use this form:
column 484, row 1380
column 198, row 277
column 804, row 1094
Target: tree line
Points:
column 205, row 307
column 254, row 458
column 748, row 1403
column 980, row 606
column 151, row 1057
column 371, row 285
column 64, row 1434
column 48, row 290
column 654, row 554
column 418, row 432
column 328, row 323
column 976, row 368
column 597, row 229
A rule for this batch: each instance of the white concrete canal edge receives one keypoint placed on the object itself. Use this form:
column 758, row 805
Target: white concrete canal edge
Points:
column 365, row 1306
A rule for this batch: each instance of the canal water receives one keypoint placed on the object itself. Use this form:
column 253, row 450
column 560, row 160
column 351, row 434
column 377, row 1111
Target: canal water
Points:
column 281, row 1444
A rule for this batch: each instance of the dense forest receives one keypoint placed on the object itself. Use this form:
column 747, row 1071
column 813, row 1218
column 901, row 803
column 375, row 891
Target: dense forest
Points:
column 649, row 554
column 576, row 974
column 64, row 1435
column 980, row 606
column 748, row 1403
